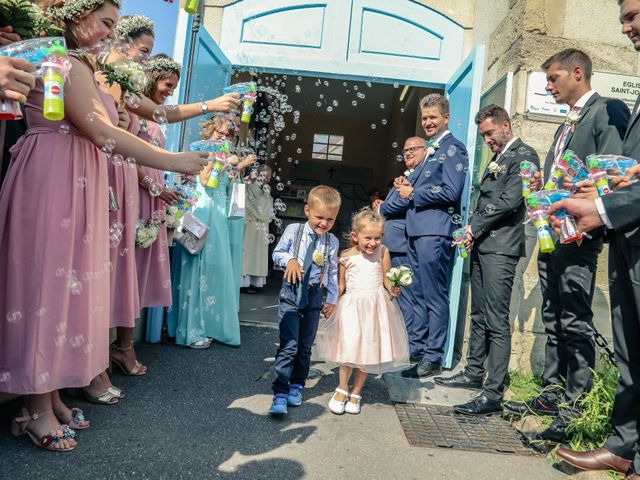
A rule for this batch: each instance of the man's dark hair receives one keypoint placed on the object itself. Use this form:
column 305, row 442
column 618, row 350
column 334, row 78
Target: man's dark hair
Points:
column 495, row 112
column 570, row 58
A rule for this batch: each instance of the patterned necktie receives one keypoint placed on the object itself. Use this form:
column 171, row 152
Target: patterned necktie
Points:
column 562, row 140
column 303, row 292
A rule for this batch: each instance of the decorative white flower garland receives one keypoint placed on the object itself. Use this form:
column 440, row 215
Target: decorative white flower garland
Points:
column 133, row 24
column 74, row 9
column 162, row 64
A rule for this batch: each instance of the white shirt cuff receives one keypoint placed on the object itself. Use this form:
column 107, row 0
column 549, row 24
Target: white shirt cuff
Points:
column 603, row 213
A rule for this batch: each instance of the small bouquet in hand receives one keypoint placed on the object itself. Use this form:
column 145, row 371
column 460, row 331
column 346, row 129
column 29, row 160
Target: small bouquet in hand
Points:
column 131, row 77
column 172, row 217
column 401, row 276
column 147, row 233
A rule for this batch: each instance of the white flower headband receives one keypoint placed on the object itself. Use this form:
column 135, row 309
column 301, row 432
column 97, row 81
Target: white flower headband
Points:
column 74, row 9
column 162, row 64
column 133, row 24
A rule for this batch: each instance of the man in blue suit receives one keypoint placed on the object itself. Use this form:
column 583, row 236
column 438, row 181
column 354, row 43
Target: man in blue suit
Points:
column 434, row 192
column 394, row 210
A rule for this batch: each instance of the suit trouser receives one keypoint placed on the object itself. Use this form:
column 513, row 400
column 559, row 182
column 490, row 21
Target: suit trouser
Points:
column 298, row 330
column 430, row 260
column 406, row 301
column 567, row 282
column 490, row 332
column 624, row 288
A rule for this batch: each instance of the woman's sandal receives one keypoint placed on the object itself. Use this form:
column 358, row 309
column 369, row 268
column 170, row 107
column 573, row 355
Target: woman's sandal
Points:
column 138, row 368
column 353, row 408
column 76, row 421
column 338, row 406
column 201, row 344
column 116, row 391
column 19, row 427
column 106, row 398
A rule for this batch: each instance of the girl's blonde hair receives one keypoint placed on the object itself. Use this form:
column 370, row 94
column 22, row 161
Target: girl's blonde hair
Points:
column 365, row 216
column 214, row 123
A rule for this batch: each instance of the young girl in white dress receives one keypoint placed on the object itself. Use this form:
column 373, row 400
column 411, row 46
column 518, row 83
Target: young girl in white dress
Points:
column 366, row 333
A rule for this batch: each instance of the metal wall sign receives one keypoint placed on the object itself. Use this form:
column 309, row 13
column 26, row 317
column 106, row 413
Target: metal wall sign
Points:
column 612, row 85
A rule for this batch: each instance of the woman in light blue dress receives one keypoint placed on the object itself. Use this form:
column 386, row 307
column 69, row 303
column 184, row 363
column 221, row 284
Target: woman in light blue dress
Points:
column 205, row 303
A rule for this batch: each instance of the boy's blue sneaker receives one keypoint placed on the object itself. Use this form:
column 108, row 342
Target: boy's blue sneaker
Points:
column 294, row 399
column 279, row 405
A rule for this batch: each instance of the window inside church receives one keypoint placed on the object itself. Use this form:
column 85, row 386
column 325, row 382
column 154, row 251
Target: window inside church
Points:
column 327, row 147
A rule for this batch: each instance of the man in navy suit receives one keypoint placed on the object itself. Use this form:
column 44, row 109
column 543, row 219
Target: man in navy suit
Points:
column 395, row 239
column 434, row 192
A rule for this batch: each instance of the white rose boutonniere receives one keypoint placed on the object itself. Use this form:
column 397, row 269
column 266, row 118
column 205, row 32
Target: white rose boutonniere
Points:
column 494, row 169
column 318, row 257
column 572, row 118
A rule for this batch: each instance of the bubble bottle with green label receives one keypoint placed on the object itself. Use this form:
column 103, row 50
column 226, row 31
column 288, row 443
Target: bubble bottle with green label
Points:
column 53, row 104
column 539, row 217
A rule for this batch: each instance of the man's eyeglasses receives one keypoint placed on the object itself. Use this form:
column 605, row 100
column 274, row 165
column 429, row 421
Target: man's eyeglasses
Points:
column 412, row 150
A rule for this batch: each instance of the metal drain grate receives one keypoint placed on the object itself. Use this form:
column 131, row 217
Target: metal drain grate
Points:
column 437, row 426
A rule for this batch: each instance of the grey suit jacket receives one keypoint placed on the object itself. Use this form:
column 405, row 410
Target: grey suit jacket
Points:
column 631, row 148
column 497, row 219
column 603, row 122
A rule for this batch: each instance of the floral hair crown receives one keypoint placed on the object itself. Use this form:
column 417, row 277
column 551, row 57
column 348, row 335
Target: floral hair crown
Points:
column 133, row 24
column 73, row 9
column 162, row 64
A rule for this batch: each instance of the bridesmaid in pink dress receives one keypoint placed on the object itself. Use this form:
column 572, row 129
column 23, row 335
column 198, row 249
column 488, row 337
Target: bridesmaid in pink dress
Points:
column 54, row 290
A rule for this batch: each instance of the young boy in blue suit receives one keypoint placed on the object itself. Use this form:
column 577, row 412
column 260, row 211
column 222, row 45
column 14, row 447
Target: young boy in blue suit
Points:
column 308, row 253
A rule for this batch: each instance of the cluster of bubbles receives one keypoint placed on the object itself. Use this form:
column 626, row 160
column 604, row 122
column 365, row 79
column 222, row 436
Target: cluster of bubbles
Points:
column 116, row 231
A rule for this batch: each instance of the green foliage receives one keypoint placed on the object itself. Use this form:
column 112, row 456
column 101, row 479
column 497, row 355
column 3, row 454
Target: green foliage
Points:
column 593, row 426
column 26, row 19
column 524, row 386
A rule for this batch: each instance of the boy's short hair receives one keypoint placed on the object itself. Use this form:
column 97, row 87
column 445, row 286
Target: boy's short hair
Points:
column 324, row 196
column 496, row 113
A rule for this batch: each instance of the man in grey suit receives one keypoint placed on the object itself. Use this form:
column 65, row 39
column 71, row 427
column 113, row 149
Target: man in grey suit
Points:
column 619, row 211
column 394, row 210
column 497, row 234
column 567, row 275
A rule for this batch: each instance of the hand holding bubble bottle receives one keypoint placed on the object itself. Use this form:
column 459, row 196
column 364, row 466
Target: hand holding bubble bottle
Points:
column 459, row 237
column 538, row 214
column 249, row 93
column 614, row 165
column 191, row 6
column 573, row 167
column 545, row 198
column 527, row 171
column 50, row 56
column 599, row 175
column 220, row 151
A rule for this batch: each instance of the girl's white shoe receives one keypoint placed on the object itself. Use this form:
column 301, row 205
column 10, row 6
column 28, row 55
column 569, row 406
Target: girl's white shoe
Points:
column 338, row 406
column 353, row 408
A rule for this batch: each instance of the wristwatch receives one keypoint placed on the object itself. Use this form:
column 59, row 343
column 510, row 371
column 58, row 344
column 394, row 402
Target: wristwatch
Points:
column 204, row 107
column 411, row 195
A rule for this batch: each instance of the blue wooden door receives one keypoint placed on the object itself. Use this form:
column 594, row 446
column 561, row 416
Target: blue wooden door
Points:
column 206, row 71
column 463, row 91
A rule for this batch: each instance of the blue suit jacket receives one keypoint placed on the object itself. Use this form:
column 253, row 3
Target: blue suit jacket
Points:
column 438, row 183
column 394, row 210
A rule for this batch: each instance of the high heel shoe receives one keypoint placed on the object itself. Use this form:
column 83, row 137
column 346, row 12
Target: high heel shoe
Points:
column 106, row 398
column 20, row 426
column 138, row 368
column 76, row 421
column 337, row 406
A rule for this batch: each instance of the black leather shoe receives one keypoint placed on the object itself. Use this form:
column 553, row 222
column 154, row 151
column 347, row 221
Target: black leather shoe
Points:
column 538, row 405
column 556, row 432
column 422, row 369
column 459, row 380
column 479, row 406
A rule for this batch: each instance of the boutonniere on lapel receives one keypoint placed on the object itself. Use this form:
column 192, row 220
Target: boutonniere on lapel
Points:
column 318, row 257
column 572, row 119
column 432, row 147
column 496, row 169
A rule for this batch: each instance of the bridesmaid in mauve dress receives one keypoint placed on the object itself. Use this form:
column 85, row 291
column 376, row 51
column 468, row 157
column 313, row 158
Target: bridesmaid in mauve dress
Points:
column 54, row 284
